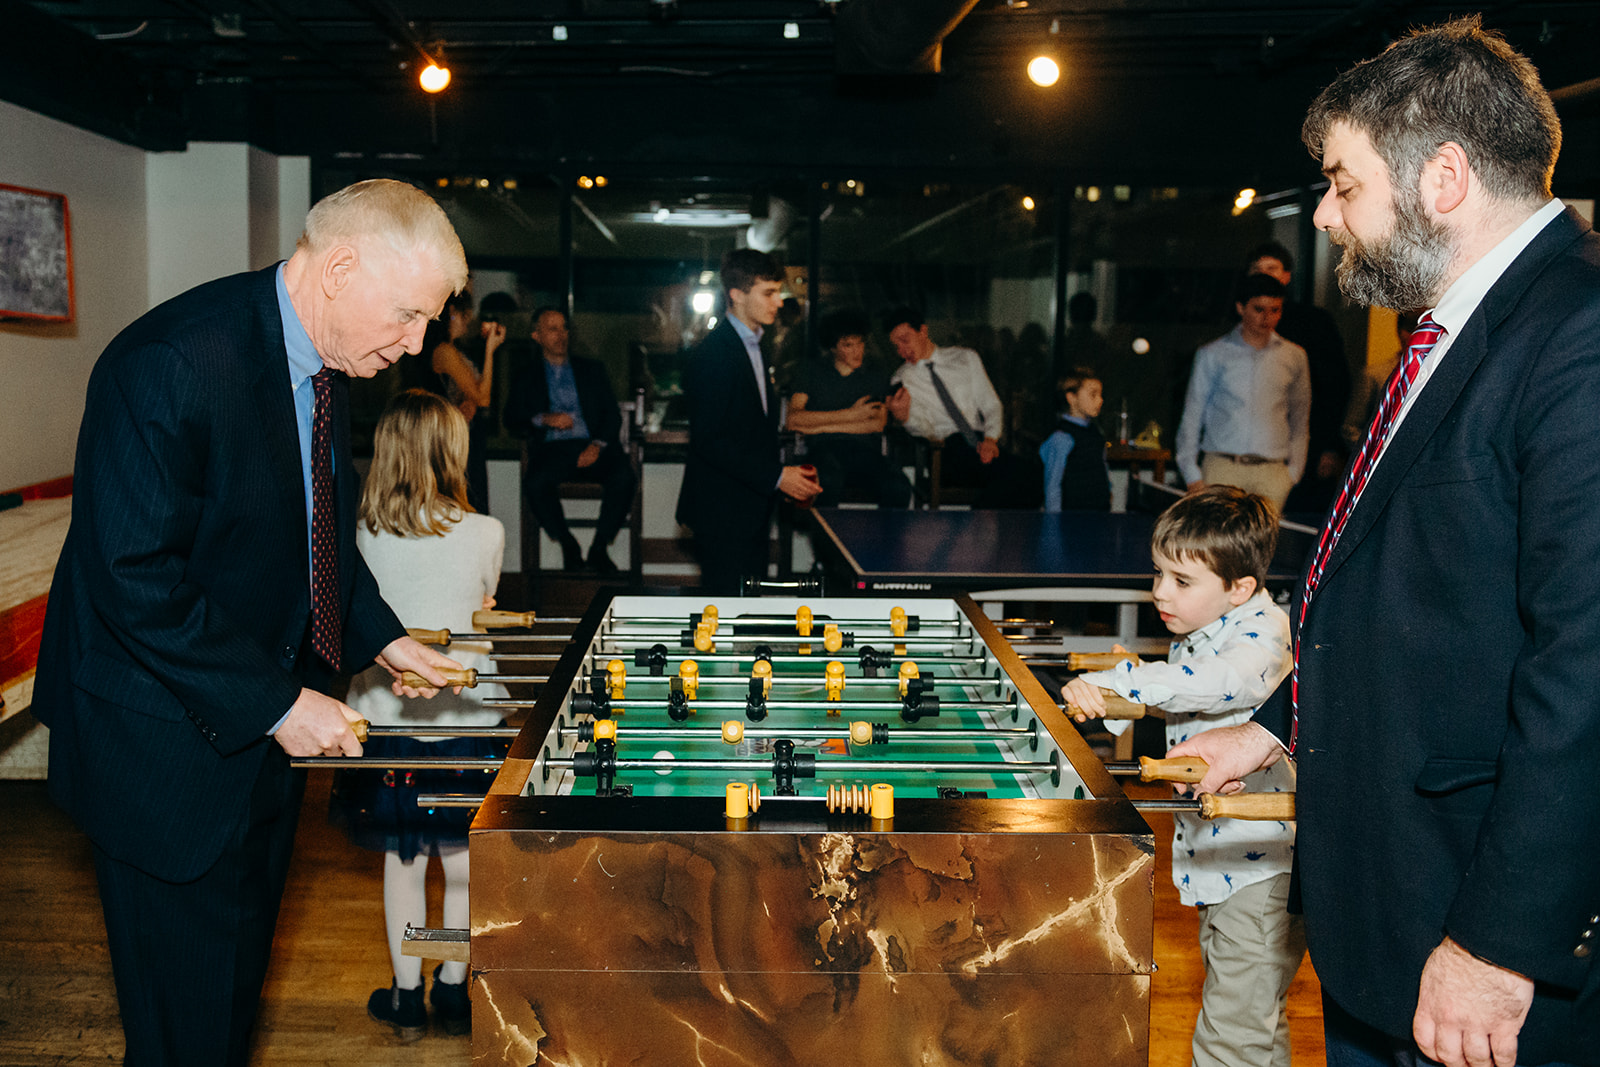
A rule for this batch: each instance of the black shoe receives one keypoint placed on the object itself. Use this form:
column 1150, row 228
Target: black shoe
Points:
column 402, row 1009
column 571, row 555
column 600, row 562
column 451, row 1004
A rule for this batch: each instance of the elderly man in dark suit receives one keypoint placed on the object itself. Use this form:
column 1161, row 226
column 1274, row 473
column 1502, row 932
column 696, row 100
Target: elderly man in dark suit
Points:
column 564, row 406
column 210, row 591
column 734, row 473
column 1442, row 710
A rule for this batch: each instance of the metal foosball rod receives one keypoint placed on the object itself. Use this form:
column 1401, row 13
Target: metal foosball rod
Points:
column 860, row 732
column 443, row 638
column 811, row 705
column 1265, row 807
column 821, row 656
column 740, row 681
column 1082, row 661
column 401, row 763
column 365, row 730
column 853, row 767
column 618, row 644
column 467, row 677
column 1261, row 807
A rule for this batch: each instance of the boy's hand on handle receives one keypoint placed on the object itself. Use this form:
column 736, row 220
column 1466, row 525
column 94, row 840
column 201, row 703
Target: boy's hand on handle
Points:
column 405, row 654
column 319, row 725
column 1084, row 701
column 1230, row 752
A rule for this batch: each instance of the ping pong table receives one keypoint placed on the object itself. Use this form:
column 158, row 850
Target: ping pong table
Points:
column 1019, row 556
column 1014, row 555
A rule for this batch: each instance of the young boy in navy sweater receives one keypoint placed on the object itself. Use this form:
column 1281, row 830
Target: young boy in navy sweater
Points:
column 1075, row 473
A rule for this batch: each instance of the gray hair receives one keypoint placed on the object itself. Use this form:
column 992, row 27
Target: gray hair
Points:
column 1452, row 82
column 408, row 220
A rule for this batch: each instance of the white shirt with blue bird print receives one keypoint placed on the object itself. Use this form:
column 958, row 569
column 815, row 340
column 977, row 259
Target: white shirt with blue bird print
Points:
column 1217, row 676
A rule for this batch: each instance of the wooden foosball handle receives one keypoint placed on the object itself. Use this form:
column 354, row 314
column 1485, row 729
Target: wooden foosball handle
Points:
column 490, row 620
column 429, row 637
column 1188, row 770
column 1117, row 707
column 1265, row 806
column 359, row 728
column 1098, row 661
column 467, row 676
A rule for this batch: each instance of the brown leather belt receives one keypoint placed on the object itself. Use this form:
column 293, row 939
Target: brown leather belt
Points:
column 1247, row 461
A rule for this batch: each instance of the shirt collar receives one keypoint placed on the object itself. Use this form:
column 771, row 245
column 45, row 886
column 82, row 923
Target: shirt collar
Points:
column 303, row 358
column 1210, row 633
column 1459, row 301
column 746, row 334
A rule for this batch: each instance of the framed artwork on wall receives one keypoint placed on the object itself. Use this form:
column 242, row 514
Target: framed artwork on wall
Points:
column 35, row 255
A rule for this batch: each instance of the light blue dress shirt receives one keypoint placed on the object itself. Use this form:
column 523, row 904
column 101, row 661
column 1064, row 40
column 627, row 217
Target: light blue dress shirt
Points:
column 1055, row 450
column 303, row 363
column 563, row 392
column 1245, row 400
column 752, row 346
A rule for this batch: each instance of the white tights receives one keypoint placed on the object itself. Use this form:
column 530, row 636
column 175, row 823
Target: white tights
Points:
column 405, row 900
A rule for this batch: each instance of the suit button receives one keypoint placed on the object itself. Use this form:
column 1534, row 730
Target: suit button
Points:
column 1582, row 951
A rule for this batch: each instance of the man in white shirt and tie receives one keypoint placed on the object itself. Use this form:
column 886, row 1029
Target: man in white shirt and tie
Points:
column 943, row 395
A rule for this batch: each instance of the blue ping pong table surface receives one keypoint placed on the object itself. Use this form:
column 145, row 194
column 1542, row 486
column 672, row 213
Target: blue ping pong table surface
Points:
column 896, row 549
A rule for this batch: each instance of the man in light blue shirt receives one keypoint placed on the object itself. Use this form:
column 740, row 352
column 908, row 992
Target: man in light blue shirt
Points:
column 1249, row 402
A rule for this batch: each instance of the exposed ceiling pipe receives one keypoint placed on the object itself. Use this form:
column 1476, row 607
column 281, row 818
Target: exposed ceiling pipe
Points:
column 881, row 37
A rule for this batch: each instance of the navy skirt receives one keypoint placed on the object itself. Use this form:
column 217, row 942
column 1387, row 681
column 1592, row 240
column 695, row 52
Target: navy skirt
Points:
column 378, row 809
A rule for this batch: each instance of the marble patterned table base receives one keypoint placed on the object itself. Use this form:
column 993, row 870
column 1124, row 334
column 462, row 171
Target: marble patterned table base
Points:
column 839, row 946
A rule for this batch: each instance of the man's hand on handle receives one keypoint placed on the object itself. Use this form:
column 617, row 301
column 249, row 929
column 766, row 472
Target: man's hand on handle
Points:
column 1231, row 752
column 318, row 725
column 404, row 654
column 1469, row 1011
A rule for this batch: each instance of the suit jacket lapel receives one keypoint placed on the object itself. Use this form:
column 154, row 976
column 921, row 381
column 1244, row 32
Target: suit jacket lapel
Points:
column 1444, row 387
column 280, row 430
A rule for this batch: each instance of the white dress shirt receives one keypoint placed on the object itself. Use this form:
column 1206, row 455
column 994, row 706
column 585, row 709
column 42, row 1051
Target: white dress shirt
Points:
column 961, row 371
column 1459, row 301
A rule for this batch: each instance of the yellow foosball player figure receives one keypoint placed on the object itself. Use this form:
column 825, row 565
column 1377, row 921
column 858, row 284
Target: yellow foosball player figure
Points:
column 1211, row 551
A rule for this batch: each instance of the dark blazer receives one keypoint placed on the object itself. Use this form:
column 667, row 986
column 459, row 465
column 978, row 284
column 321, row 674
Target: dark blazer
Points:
column 731, row 476
column 1449, row 713
column 530, row 396
column 175, row 633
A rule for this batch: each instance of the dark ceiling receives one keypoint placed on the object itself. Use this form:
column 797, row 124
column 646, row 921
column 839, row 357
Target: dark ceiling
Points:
column 1162, row 90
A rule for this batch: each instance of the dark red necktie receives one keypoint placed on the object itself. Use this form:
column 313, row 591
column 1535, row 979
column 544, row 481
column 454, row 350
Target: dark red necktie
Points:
column 1422, row 341
column 324, row 535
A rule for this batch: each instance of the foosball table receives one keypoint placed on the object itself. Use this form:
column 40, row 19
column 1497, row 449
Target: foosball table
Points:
column 784, row 831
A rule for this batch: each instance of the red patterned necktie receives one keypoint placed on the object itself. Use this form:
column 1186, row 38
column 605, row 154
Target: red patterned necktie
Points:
column 1427, row 335
column 324, row 537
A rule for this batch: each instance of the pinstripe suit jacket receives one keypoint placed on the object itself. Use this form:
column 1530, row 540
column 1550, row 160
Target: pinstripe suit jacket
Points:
column 175, row 632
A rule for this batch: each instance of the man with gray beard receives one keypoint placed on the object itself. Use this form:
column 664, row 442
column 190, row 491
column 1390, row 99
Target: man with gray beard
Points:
column 1441, row 708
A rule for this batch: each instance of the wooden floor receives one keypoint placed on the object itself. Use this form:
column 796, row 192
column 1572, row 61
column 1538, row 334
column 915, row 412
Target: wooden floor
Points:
column 58, row 1006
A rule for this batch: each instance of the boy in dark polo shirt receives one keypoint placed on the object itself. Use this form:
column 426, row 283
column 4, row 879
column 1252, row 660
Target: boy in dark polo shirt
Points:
column 838, row 405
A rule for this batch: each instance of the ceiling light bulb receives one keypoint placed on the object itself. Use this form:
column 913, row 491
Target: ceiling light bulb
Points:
column 434, row 78
column 1027, row 203
column 1043, row 71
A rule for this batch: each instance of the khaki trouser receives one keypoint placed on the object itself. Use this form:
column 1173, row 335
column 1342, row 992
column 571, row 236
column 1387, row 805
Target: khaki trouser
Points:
column 1271, row 480
column 1251, row 947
